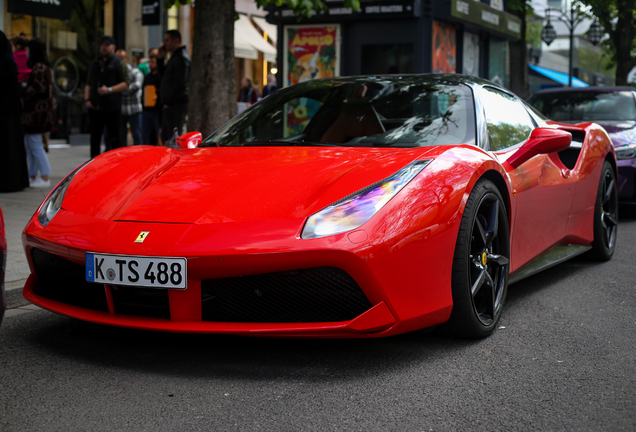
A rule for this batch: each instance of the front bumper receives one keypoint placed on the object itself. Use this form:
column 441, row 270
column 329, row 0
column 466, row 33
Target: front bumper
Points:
column 397, row 299
column 627, row 180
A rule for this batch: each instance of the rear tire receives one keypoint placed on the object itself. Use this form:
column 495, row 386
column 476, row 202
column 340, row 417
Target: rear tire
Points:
column 605, row 215
column 480, row 264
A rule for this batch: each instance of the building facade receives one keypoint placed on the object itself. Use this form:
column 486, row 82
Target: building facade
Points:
column 71, row 30
column 393, row 36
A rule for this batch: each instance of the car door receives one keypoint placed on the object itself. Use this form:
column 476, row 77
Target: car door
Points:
column 542, row 190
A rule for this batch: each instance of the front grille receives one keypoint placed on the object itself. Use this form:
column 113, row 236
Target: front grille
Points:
column 321, row 294
column 143, row 302
column 64, row 281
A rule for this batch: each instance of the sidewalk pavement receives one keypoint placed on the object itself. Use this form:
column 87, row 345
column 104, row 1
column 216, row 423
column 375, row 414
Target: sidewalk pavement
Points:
column 18, row 207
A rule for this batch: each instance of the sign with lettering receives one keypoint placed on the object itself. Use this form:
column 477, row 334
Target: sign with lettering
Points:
column 59, row 9
column 150, row 12
column 336, row 11
column 484, row 16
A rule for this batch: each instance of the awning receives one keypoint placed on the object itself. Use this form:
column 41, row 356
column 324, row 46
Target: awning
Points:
column 270, row 29
column 560, row 77
column 242, row 48
column 246, row 34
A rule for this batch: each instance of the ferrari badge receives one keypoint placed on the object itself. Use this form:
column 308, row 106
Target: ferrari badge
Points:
column 142, row 236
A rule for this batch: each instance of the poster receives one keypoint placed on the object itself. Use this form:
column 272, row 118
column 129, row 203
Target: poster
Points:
column 444, row 48
column 311, row 52
column 471, row 54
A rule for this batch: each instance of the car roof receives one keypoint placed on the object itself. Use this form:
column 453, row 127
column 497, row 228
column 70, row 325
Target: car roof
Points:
column 586, row 89
column 451, row 78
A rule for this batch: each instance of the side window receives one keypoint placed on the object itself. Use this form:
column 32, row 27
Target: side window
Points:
column 507, row 120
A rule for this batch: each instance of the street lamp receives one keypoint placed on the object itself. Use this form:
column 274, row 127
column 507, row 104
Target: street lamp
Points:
column 595, row 33
column 548, row 34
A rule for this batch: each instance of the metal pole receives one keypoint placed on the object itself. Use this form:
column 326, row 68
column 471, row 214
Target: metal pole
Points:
column 571, row 44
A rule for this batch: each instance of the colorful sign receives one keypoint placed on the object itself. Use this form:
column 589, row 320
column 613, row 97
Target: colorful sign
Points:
column 312, row 52
column 444, row 48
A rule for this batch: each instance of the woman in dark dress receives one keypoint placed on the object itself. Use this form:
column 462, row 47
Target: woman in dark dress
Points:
column 13, row 165
column 38, row 112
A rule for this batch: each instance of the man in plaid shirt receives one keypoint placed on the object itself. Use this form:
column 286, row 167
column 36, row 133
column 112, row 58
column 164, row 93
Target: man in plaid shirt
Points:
column 131, row 103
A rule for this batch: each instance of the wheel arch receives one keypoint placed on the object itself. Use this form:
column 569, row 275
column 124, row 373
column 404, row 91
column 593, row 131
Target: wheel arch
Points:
column 496, row 177
column 612, row 160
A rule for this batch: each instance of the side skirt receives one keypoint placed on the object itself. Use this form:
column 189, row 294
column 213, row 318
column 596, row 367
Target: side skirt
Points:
column 551, row 258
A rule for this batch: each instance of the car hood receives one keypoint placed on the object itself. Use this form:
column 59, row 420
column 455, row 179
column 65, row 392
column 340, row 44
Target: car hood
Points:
column 230, row 184
column 621, row 132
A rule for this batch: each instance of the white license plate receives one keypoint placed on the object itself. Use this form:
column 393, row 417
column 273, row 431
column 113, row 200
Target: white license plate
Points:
column 144, row 271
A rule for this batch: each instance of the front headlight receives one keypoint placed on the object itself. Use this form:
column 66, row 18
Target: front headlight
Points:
column 354, row 210
column 626, row 152
column 53, row 203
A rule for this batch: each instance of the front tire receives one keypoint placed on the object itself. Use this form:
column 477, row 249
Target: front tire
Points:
column 480, row 264
column 605, row 215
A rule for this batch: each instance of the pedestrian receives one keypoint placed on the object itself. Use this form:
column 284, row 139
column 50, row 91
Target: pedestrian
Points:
column 271, row 86
column 248, row 93
column 151, row 114
column 107, row 78
column 143, row 65
column 175, row 80
column 131, row 103
column 19, row 45
column 38, row 112
column 13, row 164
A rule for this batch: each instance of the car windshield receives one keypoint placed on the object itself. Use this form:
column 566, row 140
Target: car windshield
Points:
column 353, row 112
column 586, row 105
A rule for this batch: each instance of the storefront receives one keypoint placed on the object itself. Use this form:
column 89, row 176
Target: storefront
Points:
column 70, row 29
column 392, row 36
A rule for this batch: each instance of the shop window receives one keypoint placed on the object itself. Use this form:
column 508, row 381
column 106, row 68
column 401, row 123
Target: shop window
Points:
column 387, row 59
column 497, row 62
column 173, row 18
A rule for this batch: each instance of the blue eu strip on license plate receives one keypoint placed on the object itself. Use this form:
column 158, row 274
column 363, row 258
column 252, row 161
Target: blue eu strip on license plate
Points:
column 142, row 271
column 90, row 267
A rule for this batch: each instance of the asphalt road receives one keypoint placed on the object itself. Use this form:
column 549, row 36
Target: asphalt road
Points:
column 563, row 359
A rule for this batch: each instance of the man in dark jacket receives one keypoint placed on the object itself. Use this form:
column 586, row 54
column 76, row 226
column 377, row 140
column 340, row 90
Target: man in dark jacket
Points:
column 175, row 77
column 107, row 78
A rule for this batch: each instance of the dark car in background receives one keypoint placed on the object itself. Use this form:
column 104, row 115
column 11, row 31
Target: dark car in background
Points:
column 614, row 108
column 3, row 266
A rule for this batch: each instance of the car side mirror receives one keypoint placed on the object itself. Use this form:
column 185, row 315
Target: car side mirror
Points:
column 190, row 140
column 541, row 141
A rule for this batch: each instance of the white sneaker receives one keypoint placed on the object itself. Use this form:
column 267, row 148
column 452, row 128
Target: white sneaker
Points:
column 39, row 182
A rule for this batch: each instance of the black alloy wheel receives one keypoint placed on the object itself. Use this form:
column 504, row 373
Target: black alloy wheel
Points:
column 606, row 215
column 480, row 264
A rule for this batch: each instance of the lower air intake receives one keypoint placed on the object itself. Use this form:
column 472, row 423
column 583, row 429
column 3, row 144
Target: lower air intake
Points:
column 65, row 281
column 321, row 294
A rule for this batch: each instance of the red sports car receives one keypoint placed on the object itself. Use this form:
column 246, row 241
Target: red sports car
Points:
column 345, row 207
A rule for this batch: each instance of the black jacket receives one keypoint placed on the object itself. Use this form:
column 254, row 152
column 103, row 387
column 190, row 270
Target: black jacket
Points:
column 108, row 73
column 175, row 78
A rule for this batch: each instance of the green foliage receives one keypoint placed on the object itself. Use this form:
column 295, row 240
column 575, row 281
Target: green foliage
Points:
column 618, row 19
column 594, row 61
column 304, row 8
column 520, row 5
column 169, row 3
column 533, row 33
